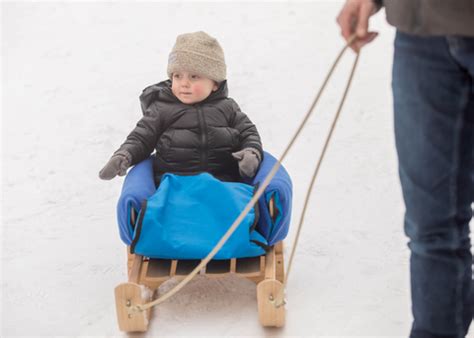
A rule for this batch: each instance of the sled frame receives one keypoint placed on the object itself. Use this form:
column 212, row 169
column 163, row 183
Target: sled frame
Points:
column 145, row 275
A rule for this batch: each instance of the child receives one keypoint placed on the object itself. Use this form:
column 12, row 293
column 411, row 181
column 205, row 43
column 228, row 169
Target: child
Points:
column 190, row 121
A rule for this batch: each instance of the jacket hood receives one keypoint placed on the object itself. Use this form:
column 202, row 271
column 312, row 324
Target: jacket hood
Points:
column 162, row 91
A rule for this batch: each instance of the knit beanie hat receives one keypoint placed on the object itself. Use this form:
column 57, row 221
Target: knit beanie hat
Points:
column 198, row 53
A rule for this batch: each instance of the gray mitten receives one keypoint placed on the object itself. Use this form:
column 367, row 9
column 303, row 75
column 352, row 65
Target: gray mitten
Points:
column 117, row 165
column 249, row 159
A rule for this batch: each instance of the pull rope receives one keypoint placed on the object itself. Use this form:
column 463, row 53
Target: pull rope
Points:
column 259, row 192
column 279, row 300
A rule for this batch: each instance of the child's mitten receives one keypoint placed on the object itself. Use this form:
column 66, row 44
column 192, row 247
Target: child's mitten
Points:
column 249, row 159
column 117, row 165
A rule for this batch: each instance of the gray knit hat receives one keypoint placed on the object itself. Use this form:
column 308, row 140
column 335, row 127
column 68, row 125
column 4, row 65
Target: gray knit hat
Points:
column 198, row 53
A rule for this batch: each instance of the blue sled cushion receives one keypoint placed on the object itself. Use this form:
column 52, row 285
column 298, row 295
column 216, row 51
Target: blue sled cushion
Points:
column 137, row 187
column 275, row 228
column 187, row 216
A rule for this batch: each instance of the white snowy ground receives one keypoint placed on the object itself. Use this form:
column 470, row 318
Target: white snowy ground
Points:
column 72, row 73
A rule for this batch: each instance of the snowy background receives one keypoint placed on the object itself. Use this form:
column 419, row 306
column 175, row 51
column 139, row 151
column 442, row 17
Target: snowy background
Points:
column 71, row 76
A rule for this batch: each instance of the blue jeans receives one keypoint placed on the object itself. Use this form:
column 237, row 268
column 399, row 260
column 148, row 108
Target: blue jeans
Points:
column 433, row 90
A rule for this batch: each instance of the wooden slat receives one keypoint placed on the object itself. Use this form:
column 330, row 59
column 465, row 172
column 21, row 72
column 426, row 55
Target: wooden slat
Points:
column 135, row 271
column 233, row 263
column 280, row 270
column 144, row 269
column 263, row 261
column 280, row 263
column 270, row 272
column 174, row 264
column 130, row 258
column 279, row 247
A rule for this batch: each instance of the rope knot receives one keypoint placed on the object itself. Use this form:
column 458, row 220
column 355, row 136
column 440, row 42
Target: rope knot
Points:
column 277, row 302
column 134, row 309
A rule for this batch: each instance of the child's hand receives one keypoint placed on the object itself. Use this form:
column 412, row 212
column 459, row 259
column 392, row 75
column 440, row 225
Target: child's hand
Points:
column 249, row 160
column 117, row 165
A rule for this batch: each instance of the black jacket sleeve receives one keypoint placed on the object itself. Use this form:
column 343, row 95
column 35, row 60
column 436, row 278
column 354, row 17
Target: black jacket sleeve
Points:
column 249, row 137
column 141, row 142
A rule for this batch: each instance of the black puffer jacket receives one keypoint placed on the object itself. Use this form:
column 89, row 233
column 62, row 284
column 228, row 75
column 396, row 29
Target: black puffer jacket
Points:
column 191, row 138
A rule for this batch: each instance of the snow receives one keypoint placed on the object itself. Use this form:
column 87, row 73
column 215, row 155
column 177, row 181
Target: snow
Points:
column 71, row 76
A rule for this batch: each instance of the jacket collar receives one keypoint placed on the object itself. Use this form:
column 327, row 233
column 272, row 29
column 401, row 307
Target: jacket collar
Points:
column 162, row 92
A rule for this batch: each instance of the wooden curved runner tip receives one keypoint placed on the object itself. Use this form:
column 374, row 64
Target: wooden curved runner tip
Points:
column 268, row 313
column 126, row 296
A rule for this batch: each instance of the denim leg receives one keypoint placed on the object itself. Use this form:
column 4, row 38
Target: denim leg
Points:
column 434, row 109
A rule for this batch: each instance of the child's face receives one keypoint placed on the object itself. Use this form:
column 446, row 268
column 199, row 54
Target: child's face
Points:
column 190, row 88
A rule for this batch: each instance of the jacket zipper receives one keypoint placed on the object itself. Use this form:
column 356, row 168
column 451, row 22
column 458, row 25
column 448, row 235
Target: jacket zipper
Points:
column 203, row 127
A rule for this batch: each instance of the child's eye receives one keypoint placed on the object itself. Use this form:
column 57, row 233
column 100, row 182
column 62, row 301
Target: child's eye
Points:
column 194, row 77
column 176, row 76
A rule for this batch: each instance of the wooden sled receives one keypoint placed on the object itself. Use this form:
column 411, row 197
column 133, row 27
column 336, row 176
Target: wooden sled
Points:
column 145, row 275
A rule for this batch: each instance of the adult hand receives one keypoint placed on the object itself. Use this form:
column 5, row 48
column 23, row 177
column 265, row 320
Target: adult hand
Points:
column 354, row 18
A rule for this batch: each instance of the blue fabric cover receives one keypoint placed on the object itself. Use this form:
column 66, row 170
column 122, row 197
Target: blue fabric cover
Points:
column 139, row 185
column 188, row 215
column 282, row 189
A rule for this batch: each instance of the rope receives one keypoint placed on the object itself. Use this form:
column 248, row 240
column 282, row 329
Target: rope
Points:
column 279, row 300
column 259, row 192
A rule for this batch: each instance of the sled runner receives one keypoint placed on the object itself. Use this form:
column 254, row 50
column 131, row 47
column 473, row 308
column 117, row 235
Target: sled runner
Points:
column 146, row 274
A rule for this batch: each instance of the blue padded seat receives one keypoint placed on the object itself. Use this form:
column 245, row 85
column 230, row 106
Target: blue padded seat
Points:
column 139, row 185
